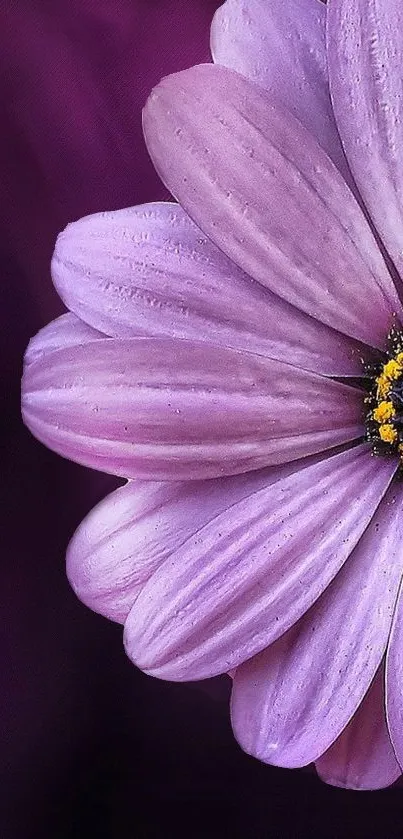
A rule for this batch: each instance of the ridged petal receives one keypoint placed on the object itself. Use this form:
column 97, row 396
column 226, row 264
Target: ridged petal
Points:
column 281, row 46
column 291, row 702
column 126, row 537
column 365, row 54
column 259, row 185
column 362, row 758
column 65, row 331
column 164, row 409
column 254, row 570
column 394, row 680
column 149, row 270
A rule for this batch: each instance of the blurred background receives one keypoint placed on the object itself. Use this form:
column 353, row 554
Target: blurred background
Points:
column 90, row 747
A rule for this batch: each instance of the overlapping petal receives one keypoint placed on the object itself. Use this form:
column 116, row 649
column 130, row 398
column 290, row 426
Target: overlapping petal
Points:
column 163, row 409
column 365, row 55
column 258, row 184
column 394, row 680
column 290, row 703
column 126, row 537
column 65, row 331
column 194, row 351
column 254, row 570
column 362, row 757
column 149, row 270
column 281, row 46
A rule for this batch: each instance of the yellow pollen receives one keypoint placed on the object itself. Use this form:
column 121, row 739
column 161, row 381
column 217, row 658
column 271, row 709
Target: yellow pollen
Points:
column 387, row 433
column 384, row 412
column 383, row 384
column 392, row 370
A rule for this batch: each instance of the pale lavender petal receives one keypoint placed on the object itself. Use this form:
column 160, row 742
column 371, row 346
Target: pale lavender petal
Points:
column 362, row 758
column 281, row 46
column 255, row 569
column 65, row 331
column 126, row 537
column 394, row 680
column 259, row 185
column 291, row 702
column 149, row 270
column 162, row 409
column 365, row 54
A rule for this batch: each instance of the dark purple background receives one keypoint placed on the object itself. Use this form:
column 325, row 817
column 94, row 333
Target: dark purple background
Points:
column 90, row 747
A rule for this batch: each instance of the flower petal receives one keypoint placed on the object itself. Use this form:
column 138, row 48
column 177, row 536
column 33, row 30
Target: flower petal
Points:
column 149, row 270
column 292, row 702
column 365, row 54
column 164, row 409
column 259, row 185
column 394, row 680
column 281, row 46
column 254, row 570
column 362, row 757
column 65, row 331
column 126, row 537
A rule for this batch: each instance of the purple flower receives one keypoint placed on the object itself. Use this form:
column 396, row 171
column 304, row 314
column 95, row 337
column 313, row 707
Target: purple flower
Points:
column 239, row 358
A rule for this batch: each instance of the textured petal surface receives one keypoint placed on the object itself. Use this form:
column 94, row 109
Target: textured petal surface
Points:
column 126, row 537
column 259, row 185
column 149, row 270
column 291, row 702
column 362, row 757
column 281, row 46
column 252, row 572
column 65, row 331
column 394, row 680
column 365, row 54
column 165, row 409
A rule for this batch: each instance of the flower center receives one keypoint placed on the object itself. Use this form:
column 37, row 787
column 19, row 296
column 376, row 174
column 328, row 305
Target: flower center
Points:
column 384, row 420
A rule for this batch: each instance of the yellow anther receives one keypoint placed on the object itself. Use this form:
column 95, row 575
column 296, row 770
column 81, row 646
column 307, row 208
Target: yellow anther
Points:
column 383, row 386
column 385, row 398
column 384, row 412
column 387, row 433
column 392, row 370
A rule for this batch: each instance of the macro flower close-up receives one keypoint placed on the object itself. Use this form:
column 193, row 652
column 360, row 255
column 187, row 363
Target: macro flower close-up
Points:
column 236, row 354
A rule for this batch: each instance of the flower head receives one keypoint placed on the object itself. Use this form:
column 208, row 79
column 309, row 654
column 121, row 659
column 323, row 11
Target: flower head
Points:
column 237, row 356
